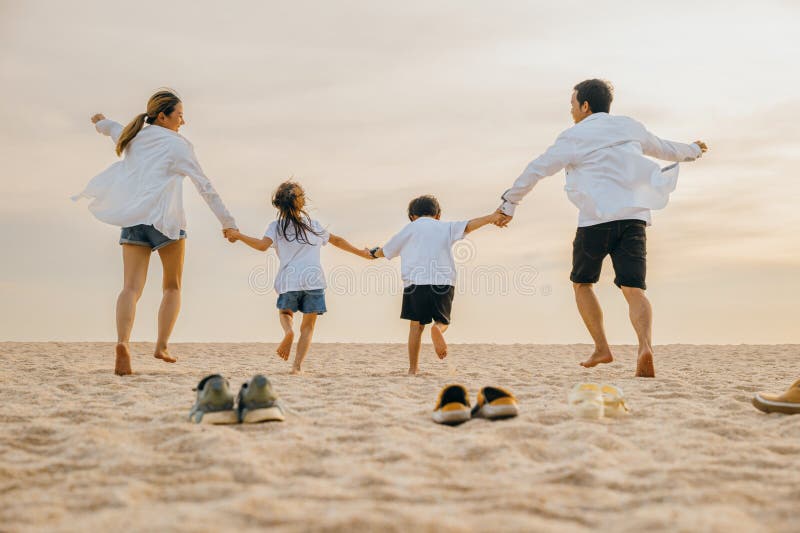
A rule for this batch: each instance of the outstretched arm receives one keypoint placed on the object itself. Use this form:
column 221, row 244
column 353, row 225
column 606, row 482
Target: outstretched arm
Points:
column 186, row 163
column 343, row 244
column 106, row 126
column 262, row 244
column 479, row 222
column 670, row 150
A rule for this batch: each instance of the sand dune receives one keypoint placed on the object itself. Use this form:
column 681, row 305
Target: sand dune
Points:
column 84, row 450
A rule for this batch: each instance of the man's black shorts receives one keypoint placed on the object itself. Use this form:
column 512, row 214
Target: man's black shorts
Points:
column 426, row 303
column 625, row 240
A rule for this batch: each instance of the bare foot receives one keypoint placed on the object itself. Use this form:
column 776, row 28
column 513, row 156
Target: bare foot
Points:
column 644, row 365
column 285, row 347
column 438, row 342
column 122, row 366
column 598, row 357
column 163, row 354
column 413, row 371
column 297, row 371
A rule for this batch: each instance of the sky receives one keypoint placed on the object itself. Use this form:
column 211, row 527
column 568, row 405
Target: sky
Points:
column 369, row 104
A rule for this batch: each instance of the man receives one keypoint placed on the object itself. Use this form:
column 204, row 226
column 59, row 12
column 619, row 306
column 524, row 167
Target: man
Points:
column 614, row 187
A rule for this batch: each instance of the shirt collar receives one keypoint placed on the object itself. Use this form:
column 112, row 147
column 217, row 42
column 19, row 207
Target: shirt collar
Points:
column 594, row 116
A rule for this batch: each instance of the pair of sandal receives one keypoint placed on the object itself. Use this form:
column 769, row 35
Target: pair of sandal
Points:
column 256, row 402
column 453, row 407
column 594, row 400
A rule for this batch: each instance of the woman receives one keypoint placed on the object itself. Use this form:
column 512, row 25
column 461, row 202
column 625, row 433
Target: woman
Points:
column 143, row 194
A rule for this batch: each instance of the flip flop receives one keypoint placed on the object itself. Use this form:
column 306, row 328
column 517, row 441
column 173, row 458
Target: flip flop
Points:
column 586, row 401
column 258, row 402
column 214, row 403
column 452, row 407
column 613, row 401
column 787, row 403
column 495, row 403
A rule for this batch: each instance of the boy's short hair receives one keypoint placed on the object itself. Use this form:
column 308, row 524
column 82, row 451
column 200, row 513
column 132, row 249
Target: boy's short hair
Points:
column 424, row 206
column 599, row 94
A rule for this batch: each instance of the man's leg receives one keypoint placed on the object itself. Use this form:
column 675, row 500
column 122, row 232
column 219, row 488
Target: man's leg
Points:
column 592, row 315
column 437, row 337
column 415, row 330
column 641, row 315
column 285, row 347
column 304, row 343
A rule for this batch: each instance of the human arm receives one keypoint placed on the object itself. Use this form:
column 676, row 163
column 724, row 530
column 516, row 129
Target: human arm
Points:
column 555, row 158
column 479, row 222
column 262, row 244
column 106, row 126
column 186, row 163
column 343, row 244
column 665, row 150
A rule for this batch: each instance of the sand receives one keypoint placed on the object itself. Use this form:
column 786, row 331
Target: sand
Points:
column 84, row 450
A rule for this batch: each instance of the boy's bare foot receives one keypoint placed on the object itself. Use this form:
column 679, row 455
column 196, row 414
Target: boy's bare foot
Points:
column 163, row 354
column 297, row 371
column 644, row 365
column 122, row 366
column 439, row 343
column 597, row 358
column 285, row 347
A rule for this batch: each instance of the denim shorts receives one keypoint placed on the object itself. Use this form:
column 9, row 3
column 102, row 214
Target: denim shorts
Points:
column 146, row 235
column 312, row 301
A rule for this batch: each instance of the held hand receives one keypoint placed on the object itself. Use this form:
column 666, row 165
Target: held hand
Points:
column 702, row 146
column 501, row 219
column 232, row 234
column 97, row 118
column 366, row 255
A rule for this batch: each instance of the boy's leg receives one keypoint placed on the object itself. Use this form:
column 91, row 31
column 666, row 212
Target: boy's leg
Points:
column 285, row 347
column 439, row 344
column 415, row 330
column 306, row 332
column 592, row 315
column 641, row 315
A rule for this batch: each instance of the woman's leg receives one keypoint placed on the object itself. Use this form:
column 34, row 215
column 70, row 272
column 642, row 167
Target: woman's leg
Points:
column 172, row 263
column 304, row 343
column 135, row 260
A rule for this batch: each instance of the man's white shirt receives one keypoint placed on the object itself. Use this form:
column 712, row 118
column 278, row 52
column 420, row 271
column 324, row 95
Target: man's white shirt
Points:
column 608, row 176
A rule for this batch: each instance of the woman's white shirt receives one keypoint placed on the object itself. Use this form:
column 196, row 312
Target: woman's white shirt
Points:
column 146, row 186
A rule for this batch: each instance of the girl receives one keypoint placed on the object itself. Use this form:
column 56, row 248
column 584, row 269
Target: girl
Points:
column 143, row 195
column 300, row 282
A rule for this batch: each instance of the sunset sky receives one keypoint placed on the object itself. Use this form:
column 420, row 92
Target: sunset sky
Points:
column 369, row 104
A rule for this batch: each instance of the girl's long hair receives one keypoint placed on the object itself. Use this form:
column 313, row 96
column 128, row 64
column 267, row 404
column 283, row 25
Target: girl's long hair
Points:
column 163, row 101
column 289, row 199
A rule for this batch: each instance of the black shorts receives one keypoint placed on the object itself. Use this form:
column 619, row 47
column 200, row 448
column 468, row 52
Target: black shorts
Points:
column 426, row 303
column 625, row 240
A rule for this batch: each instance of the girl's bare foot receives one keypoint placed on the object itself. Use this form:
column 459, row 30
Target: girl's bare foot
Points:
column 163, row 354
column 438, row 341
column 122, row 366
column 598, row 357
column 285, row 347
column 644, row 365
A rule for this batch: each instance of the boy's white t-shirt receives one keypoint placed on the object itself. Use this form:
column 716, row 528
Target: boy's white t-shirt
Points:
column 425, row 247
column 300, row 266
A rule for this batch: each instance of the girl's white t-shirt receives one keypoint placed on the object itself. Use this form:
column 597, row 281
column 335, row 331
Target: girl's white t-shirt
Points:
column 300, row 266
column 425, row 247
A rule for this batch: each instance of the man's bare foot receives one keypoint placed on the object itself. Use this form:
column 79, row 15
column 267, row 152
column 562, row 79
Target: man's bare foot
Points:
column 413, row 371
column 597, row 358
column 297, row 371
column 122, row 366
column 644, row 365
column 439, row 343
column 163, row 354
column 285, row 347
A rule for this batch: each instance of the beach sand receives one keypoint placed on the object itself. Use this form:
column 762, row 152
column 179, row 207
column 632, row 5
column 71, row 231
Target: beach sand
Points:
column 84, row 450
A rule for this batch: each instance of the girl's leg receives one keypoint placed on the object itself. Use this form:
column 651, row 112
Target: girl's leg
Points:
column 306, row 332
column 135, row 260
column 285, row 347
column 415, row 330
column 437, row 336
column 172, row 262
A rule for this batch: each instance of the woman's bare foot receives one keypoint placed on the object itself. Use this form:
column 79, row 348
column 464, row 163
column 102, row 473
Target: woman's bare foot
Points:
column 644, row 365
column 163, row 354
column 439, row 343
column 598, row 357
column 122, row 366
column 285, row 347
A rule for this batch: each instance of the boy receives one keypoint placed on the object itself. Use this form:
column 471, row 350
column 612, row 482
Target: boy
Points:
column 428, row 271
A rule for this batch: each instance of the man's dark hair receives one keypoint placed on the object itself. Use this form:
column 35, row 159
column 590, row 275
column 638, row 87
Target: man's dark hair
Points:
column 598, row 93
column 424, row 206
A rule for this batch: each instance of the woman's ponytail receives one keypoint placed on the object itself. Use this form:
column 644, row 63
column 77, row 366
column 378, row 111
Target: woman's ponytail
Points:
column 130, row 131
